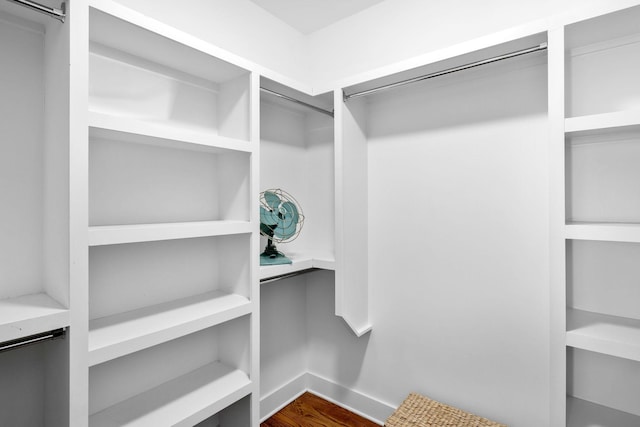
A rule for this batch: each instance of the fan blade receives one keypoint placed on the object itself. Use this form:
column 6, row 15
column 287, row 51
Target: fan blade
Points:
column 287, row 226
column 291, row 210
column 272, row 200
column 284, row 231
column 268, row 217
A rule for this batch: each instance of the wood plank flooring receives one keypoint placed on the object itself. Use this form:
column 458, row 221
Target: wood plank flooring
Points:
column 310, row 410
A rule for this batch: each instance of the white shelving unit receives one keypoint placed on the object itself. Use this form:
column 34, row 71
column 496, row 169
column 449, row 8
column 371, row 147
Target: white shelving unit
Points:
column 121, row 334
column 118, row 234
column 612, row 335
column 117, row 128
column 184, row 401
column 172, row 286
column 297, row 155
column 613, row 232
column 602, row 139
column 298, row 263
column 599, row 123
column 582, row 413
column 34, row 193
column 30, row 314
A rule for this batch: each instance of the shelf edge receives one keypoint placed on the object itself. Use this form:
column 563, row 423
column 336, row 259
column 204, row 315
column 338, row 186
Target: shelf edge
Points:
column 104, row 353
column 139, row 233
column 47, row 315
column 207, row 380
column 151, row 133
column 604, row 121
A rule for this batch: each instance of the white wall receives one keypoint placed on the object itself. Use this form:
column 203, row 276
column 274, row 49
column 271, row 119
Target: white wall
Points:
column 395, row 30
column 458, row 253
column 240, row 27
column 283, row 333
column 346, row 52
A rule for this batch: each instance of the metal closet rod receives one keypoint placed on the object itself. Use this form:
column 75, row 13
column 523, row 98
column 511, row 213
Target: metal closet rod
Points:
column 59, row 14
column 297, row 101
column 31, row 339
column 287, row 275
column 541, row 46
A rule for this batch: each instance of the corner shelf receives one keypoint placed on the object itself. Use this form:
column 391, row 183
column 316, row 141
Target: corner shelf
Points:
column 118, row 234
column 118, row 335
column 611, row 335
column 299, row 263
column 30, row 314
column 613, row 232
column 581, row 413
column 184, row 401
column 117, row 128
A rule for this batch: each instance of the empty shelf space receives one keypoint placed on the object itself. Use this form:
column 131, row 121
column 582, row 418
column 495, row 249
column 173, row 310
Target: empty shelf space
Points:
column 134, row 33
column 603, row 122
column 581, row 413
column 118, row 335
column 613, row 232
column 30, row 314
column 184, row 401
column 299, row 262
column 615, row 336
column 111, row 127
column 118, row 234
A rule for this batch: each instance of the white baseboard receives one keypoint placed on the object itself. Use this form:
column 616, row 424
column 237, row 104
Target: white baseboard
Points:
column 359, row 403
column 281, row 397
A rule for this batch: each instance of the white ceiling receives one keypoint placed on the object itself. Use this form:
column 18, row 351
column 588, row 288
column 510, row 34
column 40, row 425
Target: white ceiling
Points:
column 308, row 16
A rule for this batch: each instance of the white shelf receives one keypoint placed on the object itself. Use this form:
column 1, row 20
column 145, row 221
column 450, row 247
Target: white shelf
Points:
column 111, row 127
column 612, row 232
column 299, row 263
column 134, row 33
column 603, row 29
column 603, row 122
column 118, row 234
column 184, row 401
column 114, row 336
column 30, row 314
column 581, row 413
column 615, row 336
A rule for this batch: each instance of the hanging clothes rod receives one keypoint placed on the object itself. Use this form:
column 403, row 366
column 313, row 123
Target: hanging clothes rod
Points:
column 287, row 275
column 533, row 49
column 31, row 339
column 59, row 14
column 297, row 101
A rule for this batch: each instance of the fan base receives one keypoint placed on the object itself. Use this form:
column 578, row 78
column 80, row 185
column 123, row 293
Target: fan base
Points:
column 274, row 260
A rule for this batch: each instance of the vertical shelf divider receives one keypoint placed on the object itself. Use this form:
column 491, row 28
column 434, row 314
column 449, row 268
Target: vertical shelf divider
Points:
column 254, row 203
column 351, row 241
column 557, row 255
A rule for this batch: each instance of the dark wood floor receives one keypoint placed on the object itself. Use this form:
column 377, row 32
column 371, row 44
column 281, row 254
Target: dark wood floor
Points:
column 310, row 410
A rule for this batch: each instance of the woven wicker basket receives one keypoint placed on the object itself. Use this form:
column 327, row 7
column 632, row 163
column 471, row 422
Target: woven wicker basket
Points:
column 420, row 411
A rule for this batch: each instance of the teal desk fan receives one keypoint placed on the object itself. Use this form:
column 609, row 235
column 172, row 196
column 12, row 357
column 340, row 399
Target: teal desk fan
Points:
column 281, row 220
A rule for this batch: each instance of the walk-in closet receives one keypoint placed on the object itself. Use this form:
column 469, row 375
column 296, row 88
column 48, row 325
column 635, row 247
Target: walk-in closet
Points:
column 209, row 209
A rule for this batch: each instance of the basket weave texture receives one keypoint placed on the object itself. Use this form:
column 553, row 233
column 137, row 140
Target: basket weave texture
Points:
column 420, row 411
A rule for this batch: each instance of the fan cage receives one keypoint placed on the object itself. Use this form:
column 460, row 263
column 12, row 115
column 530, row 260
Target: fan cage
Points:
column 285, row 197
